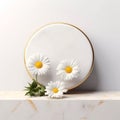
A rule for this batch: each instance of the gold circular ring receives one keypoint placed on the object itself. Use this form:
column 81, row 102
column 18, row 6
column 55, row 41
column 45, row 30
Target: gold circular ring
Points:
column 92, row 65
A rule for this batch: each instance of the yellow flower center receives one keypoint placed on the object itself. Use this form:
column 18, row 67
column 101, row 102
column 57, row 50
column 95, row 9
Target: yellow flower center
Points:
column 38, row 64
column 55, row 90
column 68, row 69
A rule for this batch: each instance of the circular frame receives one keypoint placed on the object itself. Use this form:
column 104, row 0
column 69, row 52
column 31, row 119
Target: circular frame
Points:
column 92, row 65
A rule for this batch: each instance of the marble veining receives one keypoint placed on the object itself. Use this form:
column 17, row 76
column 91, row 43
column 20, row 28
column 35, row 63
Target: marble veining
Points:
column 32, row 104
column 16, row 107
column 83, row 106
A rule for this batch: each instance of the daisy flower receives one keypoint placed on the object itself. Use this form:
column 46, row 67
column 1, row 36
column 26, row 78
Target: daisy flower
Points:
column 68, row 70
column 38, row 64
column 55, row 89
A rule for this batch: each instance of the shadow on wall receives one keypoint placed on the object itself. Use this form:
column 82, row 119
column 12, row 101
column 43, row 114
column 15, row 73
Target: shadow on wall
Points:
column 92, row 83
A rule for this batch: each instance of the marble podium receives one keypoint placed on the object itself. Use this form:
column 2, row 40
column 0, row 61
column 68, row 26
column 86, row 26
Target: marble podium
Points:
column 83, row 106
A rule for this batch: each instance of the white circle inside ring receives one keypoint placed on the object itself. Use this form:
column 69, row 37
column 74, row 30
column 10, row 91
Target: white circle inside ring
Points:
column 60, row 41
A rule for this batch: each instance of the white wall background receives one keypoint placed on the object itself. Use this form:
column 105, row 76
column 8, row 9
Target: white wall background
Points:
column 99, row 19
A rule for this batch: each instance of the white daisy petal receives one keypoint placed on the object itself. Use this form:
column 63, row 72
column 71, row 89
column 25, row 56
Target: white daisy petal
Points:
column 68, row 70
column 55, row 89
column 40, row 68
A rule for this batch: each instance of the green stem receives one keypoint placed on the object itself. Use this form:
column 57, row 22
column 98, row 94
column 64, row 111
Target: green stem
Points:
column 36, row 77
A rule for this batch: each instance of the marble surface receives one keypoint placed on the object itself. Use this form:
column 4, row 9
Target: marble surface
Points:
column 84, row 95
column 79, row 106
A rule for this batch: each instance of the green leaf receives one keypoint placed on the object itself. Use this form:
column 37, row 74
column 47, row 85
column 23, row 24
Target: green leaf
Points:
column 27, row 93
column 35, row 89
column 34, row 84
